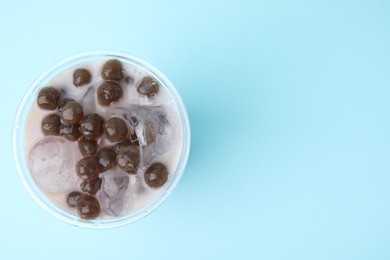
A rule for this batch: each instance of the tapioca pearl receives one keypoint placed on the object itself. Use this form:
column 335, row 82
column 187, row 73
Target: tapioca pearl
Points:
column 88, row 207
column 48, row 98
column 156, row 175
column 87, row 168
column 115, row 129
column 81, row 77
column 108, row 93
column 112, row 70
column 128, row 158
column 148, row 87
column 106, row 158
column 91, row 187
column 91, row 126
column 50, row 125
column 71, row 113
column 73, row 198
column 70, row 132
column 87, row 146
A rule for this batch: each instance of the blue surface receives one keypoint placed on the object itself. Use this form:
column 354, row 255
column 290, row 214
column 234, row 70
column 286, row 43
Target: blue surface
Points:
column 289, row 108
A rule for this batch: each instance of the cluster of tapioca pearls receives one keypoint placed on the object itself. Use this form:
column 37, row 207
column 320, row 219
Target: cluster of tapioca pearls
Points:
column 70, row 122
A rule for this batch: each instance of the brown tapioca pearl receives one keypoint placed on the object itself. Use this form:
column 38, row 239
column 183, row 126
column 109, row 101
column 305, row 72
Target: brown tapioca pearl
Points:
column 112, row 70
column 91, row 126
column 71, row 113
column 116, row 129
column 88, row 207
column 81, row 77
column 87, row 168
column 48, row 98
column 73, row 198
column 106, row 158
column 108, row 93
column 50, row 125
column 91, row 187
column 156, row 175
column 70, row 132
column 87, row 146
column 128, row 158
column 148, row 87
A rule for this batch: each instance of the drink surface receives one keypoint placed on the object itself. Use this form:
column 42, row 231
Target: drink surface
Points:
column 153, row 130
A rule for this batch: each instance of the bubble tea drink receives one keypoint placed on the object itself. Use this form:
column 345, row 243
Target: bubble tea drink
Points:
column 105, row 140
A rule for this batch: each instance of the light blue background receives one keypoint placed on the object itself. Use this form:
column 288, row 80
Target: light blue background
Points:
column 289, row 105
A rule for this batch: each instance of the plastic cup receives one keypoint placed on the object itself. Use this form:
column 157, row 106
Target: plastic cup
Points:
column 19, row 131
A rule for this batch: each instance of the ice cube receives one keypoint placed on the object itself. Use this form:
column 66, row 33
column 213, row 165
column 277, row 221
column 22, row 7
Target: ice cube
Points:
column 142, row 129
column 88, row 101
column 145, row 133
column 150, row 127
column 135, row 191
column 111, row 195
column 148, row 121
column 51, row 162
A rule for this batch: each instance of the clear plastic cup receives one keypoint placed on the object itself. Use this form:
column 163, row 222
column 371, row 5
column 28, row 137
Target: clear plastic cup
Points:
column 19, row 139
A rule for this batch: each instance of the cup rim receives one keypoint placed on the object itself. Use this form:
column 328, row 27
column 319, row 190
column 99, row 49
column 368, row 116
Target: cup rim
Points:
column 18, row 142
